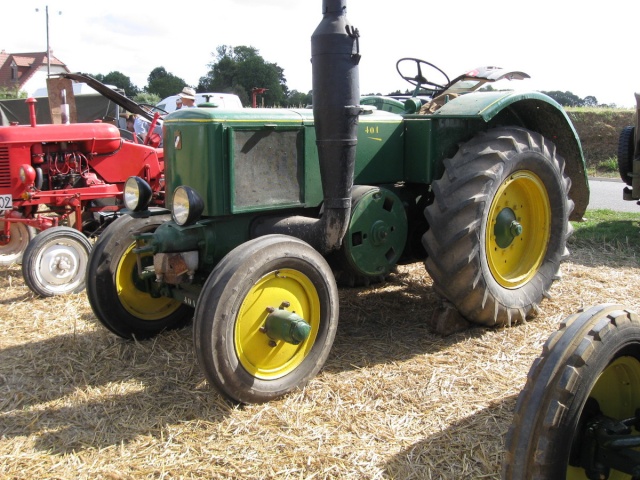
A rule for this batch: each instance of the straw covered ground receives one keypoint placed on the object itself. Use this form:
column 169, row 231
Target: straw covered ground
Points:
column 394, row 400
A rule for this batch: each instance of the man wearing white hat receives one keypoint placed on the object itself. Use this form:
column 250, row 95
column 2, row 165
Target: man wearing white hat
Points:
column 188, row 96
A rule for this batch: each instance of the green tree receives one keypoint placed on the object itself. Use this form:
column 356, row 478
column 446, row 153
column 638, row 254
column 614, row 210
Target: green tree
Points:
column 569, row 99
column 119, row 80
column 566, row 99
column 148, row 98
column 240, row 69
column 7, row 93
column 590, row 101
column 297, row 99
column 163, row 83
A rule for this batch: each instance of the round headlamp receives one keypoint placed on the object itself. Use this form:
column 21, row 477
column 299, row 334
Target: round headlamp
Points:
column 27, row 174
column 187, row 206
column 137, row 194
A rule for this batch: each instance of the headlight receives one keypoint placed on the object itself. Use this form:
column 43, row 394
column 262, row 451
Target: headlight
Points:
column 187, row 206
column 137, row 194
column 27, row 174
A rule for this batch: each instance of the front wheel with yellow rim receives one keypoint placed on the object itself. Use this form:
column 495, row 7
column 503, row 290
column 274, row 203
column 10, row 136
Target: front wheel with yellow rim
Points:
column 266, row 319
column 578, row 414
column 498, row 226
column 121, row 299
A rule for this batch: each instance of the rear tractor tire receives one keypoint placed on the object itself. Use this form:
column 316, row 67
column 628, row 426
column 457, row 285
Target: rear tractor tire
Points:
column 498, row 226
column 55, row 262
column 578, row 392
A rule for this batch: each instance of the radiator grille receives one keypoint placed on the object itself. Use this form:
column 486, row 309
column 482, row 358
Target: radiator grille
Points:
column 267, row 168
column 5, row 171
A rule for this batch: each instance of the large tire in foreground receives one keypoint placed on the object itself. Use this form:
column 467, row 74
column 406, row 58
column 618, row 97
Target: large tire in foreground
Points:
column 120, row 299
column 12, row 251
column 498, row 226
column 55, row 262
column 270, row 275
column 589, row 369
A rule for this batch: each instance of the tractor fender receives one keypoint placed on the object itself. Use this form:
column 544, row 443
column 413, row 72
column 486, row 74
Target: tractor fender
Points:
column 539, row 113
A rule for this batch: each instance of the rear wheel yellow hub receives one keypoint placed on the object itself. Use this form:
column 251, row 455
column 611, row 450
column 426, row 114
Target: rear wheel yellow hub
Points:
column 518, row 229
column 260, row 355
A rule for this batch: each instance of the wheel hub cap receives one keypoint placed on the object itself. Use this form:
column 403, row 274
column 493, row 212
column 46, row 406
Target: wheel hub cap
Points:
column 282, row 325
column 507, row 228
column 59, row 265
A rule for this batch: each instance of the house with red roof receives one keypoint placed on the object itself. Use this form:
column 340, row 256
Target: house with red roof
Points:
column 27, row 72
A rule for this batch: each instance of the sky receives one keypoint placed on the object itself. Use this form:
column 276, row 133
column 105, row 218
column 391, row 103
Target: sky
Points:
column 586, row 48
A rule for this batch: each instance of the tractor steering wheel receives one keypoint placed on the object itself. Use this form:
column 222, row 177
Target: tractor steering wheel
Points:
column 152, row 108
column 419, row 79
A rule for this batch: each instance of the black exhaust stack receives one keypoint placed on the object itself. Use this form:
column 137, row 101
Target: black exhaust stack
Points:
column 336, row 105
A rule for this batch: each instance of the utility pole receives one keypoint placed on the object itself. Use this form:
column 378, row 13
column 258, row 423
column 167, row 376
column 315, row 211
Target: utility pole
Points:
column 48, row 48
column 46, row 10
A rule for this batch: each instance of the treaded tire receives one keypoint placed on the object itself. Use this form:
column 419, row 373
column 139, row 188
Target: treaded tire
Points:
column 112, row 284
column 551, row 409
column 232, row 348
column 625, row 153
column 462, row 258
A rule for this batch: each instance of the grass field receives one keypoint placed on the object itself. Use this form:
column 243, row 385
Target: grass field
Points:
column 394, row 400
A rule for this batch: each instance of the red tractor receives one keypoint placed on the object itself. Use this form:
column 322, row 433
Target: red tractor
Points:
column 66, row 181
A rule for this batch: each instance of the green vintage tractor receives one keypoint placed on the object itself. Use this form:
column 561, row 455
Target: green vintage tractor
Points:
column 270, row 210
column 578, row 415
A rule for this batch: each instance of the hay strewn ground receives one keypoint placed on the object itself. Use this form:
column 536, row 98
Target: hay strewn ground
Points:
column 394, row 400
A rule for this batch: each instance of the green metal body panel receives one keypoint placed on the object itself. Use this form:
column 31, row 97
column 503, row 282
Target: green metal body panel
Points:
column 377, row 232
column 384, row 103
column 266, row 159
column 213, row 237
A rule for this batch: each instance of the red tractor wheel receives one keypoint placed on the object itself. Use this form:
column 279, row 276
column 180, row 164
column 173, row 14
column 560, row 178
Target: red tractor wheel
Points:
column 12, row 250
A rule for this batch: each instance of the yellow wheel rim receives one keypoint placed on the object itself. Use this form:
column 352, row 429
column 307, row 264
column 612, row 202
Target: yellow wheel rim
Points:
column 617, row 391
column 138, row 302
column 518, row 229
column 257, row 353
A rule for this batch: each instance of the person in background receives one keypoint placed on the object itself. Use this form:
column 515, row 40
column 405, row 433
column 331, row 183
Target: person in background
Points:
column 141, row 127
column 178, row 103
column 188, row 96
column 130, row 122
